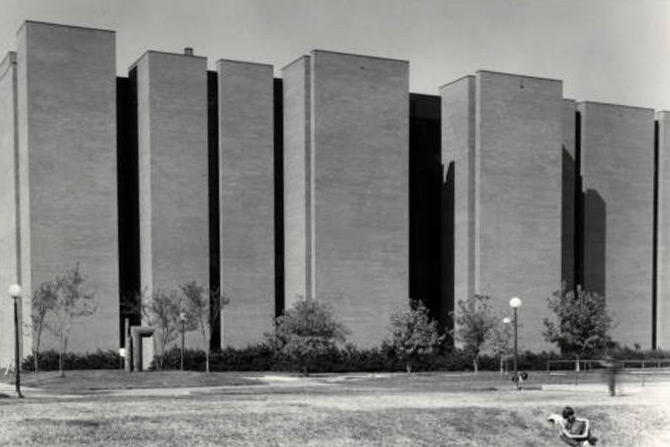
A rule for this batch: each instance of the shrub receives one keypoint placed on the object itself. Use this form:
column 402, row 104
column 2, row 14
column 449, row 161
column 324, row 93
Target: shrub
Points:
column 48, row 360
column 306, row 333
column 414, row 334
column 261, row 357
column 194, row 359
column 253, row 358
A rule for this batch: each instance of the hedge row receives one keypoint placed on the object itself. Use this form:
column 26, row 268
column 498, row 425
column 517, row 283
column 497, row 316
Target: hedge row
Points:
column 48, row 360
column 352, row 359
column 348, row 359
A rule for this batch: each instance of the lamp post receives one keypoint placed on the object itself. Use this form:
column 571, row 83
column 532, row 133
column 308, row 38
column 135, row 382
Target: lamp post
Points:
column 506, row 321
column 182, row 318
column 15, row 293
column 515, row 303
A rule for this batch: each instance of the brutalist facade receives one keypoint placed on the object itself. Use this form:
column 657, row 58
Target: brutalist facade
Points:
column 333, row 182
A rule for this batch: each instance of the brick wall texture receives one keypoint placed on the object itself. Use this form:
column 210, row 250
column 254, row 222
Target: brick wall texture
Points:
column 9, row 260
column 507, row 222
column 458, row 144
column 355, row 156
column 663, row 235
column 297, row 185
column 67, row 137
column 518, row 143
column 520, row 154
column 173, row 170
column 246, row 170
column 617, row 147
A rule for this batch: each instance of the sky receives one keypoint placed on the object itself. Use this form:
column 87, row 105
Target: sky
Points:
column 615, row 51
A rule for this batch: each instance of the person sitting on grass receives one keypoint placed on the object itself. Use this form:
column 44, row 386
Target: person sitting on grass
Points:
column 574, row 431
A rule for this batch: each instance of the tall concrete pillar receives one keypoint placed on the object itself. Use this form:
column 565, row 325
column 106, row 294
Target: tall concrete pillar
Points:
column 173, row 170
column 246, row 191
column 458, row 148
column 617, row 161
column 9, row 218
column 663, row 233
column 67, row 169
column 346, row 153
column 504, row 133
column 297, row 181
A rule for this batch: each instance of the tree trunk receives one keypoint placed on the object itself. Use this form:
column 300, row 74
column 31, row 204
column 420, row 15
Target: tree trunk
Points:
column 36, row 351
column 577, row 364
column 409, row 368
column 63, row 350
column 475, row 364
column 207, row 342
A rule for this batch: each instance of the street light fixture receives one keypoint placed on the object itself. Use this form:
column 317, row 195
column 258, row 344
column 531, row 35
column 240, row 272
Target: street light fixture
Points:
column 515, row 303
column 182, row 319
column 15, row 293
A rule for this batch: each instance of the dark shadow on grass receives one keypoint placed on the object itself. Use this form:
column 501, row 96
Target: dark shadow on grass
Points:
column 85, row 423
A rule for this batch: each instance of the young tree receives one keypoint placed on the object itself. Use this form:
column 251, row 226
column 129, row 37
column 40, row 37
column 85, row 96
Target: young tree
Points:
column 306, row 331
column 500, row 340
column 413, row 333
column 72, row 302
column 581, row 321
column 474, row 323
column 203, row 309
column 161, row 311
column 43, row 302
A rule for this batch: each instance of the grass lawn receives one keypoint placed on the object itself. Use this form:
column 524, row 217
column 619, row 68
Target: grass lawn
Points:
column 329, row 411
column 97, row 380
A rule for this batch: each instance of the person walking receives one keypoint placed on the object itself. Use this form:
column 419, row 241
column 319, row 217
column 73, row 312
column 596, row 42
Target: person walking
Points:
column 612, row 368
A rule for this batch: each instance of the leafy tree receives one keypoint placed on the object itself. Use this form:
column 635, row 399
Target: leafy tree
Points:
column 500, row 339
column 305, row 331
column 413, row 333
column 581, row 321
column 161, row 311
column 474, row 321
column 72, row 302
column 203, row 309
column 43, row 301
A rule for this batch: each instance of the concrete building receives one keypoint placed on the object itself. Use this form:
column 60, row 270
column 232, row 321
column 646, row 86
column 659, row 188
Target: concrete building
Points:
column 504, row 133
column 173, row 170
column 346, row 187
column 661, row 308
column 65, row 117
column 617, row 165
column 9, row 186
column 334, row 183
column 458, row 148
column 246, row 198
